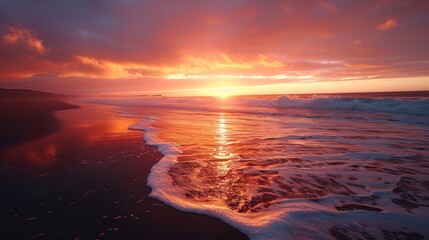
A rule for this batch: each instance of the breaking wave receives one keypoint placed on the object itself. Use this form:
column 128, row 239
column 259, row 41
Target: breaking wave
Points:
column 410, row 106
column 418, row 106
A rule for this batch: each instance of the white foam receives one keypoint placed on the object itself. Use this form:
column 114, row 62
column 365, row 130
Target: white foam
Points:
column 288, row 219
column 162, row 190
column 293, row 218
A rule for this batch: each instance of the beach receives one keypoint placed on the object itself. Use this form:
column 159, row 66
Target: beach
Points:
column 221, row 119
column 258, row 167
column 86, row 178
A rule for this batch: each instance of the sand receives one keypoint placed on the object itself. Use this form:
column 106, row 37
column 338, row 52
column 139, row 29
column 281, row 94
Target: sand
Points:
column 25, row 118
column 84, row 177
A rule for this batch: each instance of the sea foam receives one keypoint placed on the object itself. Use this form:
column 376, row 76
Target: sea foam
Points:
column 291, row 219
column 298, row 175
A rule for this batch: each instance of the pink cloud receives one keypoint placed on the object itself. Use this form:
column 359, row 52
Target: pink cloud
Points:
column 388, row 24
column 136, row 42
column 328, row 6
column 20, row 35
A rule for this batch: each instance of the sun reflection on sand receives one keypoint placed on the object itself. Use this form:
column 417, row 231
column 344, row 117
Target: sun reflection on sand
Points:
column 93, row 125
column 42, row 155
column 94, row 129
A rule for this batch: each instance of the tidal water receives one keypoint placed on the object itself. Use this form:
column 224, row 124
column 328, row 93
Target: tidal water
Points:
column 286, row 167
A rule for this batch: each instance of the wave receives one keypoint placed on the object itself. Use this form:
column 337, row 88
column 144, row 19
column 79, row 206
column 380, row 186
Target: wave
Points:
column 409, row 106
column 293, row 218
column 418, row 106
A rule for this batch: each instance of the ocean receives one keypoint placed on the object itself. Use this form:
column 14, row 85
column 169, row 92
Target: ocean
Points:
column 333, row 166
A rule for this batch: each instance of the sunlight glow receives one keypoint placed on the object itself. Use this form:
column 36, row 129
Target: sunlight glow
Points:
column 222, row 151
column 223, row 92
column 181, row 76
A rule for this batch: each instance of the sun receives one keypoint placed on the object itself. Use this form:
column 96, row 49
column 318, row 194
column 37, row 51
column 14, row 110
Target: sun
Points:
column 223, row 95
column 221, row 92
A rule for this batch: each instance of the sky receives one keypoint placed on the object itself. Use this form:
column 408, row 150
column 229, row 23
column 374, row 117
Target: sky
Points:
column 214, row 47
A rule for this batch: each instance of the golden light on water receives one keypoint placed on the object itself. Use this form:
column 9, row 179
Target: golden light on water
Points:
column 222, row 152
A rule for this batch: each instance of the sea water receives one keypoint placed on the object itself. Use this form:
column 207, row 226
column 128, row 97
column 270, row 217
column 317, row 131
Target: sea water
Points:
column 292, row 167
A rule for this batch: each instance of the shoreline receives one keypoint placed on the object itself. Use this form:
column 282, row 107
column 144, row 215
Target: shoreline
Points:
column 89, row 180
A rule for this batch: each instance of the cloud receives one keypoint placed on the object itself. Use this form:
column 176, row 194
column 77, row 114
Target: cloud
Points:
column 244, row 41
column 21, row 35
column 234, row 77
column 213, row 66
column 328, row 6
column 388, row 24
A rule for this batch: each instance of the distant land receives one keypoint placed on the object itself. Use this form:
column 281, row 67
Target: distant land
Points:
column 25, row 92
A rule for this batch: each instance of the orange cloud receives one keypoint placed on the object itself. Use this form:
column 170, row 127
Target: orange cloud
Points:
column 216, row 66
column 223, row 62
column 145, row 44
column 235, row 76
column 388, row 24
column 19, row 34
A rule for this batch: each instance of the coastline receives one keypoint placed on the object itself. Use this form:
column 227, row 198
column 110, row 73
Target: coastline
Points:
column 88, row 179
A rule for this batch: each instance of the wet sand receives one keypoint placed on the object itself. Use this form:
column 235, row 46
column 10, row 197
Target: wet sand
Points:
column 86, row 179
column 28, row 117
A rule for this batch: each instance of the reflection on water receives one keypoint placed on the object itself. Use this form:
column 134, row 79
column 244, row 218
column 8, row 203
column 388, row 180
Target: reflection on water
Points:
column 45, row 154
column 223, row 153
column 84, row 179
column 288, row 166
column 259, row 167
column 92, row 125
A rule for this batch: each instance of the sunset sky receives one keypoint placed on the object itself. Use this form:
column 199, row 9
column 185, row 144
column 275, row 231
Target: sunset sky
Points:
column 214, row 47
